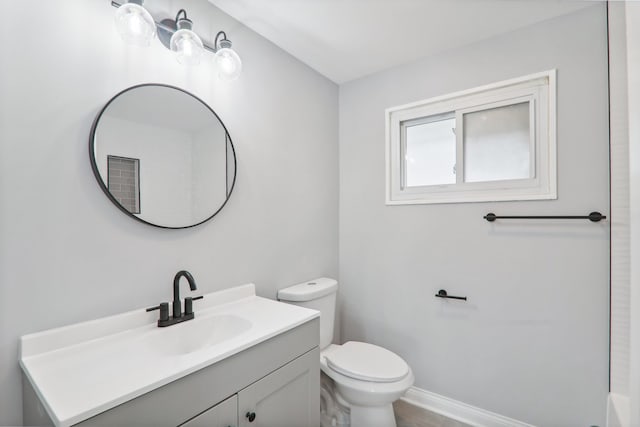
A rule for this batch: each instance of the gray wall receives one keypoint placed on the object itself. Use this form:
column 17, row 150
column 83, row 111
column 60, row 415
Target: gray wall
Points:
column 532, row 341
column 67, row 254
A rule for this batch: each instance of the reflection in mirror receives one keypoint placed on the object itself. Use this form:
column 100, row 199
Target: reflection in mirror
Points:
column 123, row 181
column 163, row 156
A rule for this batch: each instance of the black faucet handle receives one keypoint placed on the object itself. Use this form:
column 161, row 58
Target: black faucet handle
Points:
column 188, row 304
column 164, row 310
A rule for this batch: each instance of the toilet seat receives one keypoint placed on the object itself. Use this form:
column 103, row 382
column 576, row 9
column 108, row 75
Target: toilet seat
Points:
column 367, row 362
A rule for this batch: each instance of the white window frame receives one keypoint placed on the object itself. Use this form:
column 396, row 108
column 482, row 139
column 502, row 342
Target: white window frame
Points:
column 538, row 89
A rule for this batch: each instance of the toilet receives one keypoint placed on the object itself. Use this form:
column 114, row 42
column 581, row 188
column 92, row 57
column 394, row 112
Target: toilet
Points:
column 367, row 378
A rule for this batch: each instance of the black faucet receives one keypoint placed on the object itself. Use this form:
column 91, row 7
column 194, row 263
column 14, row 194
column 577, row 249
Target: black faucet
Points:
column 177, row 305
column 178, row 315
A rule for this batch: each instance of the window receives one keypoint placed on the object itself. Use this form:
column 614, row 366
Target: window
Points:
column 492, row 143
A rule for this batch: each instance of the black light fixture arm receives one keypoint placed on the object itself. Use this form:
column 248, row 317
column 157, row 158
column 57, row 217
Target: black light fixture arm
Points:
column 181, row 12
column 220, row 41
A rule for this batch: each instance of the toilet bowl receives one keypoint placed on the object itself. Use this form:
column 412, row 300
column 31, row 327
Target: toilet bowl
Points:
column 333, row 413
column 368, row 387
column 367, row 378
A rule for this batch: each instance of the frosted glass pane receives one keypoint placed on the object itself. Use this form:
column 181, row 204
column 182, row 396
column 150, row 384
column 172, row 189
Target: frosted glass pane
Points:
column 496, row 144
column 431, row 153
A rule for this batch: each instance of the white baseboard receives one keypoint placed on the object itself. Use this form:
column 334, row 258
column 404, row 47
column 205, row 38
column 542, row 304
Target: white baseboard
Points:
column 459, row 411
column 618, row 410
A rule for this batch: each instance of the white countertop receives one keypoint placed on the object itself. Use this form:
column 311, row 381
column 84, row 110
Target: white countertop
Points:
column 81, row 370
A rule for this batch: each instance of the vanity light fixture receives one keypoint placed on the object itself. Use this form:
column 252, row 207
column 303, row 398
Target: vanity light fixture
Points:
column 227, row 60
column 184, row 42
column 136, row 25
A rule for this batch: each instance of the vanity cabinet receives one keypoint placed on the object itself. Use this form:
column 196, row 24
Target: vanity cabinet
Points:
column 278, row 380
column 284, row 398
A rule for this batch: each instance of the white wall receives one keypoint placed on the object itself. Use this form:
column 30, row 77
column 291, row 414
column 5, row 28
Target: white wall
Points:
column 532, row 341
column 620, row 256
column 67, row 254
column 632, row 11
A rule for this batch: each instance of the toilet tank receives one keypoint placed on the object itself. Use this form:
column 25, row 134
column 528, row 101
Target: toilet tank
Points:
column 318, row 294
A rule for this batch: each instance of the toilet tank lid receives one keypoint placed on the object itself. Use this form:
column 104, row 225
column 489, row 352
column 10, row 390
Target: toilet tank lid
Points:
column 309, row 290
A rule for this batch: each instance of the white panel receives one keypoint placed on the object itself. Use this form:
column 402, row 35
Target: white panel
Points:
column 430, row 156
column 632, row 11
column 618, row 408
column 620, row 256
column 497, row 144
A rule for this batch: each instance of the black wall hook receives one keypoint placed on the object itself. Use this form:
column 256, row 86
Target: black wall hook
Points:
column 443, row 294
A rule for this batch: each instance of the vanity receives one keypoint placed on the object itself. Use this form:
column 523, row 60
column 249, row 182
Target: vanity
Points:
column 243, row 360
column 231, row 358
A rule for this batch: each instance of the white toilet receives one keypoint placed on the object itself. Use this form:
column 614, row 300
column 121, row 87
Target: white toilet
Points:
column 367, row 378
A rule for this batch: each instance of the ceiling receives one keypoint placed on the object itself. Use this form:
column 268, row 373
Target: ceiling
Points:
column 348, row 39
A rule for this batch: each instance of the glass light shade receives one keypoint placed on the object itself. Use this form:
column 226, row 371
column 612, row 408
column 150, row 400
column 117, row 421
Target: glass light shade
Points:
column 187, row 46
column 135, row 24
column 228, row 63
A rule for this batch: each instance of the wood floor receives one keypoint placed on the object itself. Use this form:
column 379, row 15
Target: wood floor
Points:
column 412, row 416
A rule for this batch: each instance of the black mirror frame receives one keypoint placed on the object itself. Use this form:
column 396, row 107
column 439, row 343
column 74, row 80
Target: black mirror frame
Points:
column 103, row 186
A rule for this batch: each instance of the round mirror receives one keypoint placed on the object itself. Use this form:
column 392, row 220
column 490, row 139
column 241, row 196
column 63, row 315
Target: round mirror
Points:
column 162, row 156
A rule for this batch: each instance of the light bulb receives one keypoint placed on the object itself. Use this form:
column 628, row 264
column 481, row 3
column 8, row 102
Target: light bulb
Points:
column 187, row 46
column 228, row 63
column 135, row 24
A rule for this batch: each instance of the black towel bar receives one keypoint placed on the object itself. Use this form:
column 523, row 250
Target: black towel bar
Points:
column 593, row 217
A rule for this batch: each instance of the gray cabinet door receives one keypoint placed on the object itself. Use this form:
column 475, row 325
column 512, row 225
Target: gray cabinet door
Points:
column 288, row 397
column 224, row 414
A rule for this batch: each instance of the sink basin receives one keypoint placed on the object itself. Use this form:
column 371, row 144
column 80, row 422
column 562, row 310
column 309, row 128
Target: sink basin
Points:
column 197, row 334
